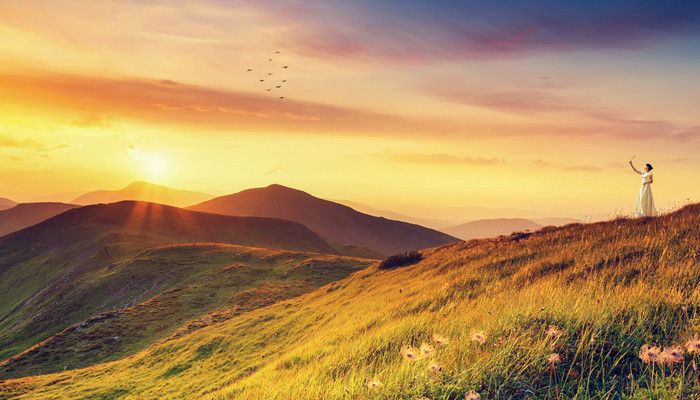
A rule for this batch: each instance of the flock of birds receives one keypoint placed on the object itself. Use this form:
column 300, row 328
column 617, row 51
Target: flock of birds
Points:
column 271, row 79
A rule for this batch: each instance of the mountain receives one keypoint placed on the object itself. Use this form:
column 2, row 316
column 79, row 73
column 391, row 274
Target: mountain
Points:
column 485, row 228
column 6, row 203
column 560, row 313
column 41, row 266
column 28, row 214
column 336, row 222
column 145, row 192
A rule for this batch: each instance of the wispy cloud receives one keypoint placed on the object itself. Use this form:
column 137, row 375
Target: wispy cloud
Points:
column 583, row 168
column 11, row 141
column 423, row 31
column 90, row 121
column 442, row 159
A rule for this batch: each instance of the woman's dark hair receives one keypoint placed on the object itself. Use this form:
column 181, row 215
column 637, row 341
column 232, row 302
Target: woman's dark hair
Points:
column 650, row 167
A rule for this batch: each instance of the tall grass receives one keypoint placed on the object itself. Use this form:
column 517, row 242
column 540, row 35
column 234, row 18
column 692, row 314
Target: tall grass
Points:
column 592, row 294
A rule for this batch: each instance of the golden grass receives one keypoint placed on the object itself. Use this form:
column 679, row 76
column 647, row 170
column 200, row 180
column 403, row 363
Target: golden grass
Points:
column 567, row 313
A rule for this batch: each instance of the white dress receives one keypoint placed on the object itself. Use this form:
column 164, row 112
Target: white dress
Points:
column 645, row 201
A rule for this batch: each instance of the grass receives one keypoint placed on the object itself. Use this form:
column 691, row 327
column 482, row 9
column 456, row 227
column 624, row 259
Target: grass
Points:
column 186, row 285
column 608, row 288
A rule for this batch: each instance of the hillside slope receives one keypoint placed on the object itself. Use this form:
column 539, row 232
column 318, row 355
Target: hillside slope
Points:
column 333, row 221
column 169, row 291
column 28, row 214
column 562, row 313
column 42, row 266
column 6, row 203
column 144, row 191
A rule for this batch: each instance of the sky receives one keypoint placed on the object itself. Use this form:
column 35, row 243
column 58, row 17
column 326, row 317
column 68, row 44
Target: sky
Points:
column 422, row 107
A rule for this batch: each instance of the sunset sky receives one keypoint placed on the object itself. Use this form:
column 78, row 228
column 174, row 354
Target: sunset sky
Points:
column 415, row 106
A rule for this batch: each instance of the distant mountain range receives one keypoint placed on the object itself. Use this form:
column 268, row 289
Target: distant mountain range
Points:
column 6, row 203
column 27, row 214
column 336, row 222
column 491, row 228
column 144, row 191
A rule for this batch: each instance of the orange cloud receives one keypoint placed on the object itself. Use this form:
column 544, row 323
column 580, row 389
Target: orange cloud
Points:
column 163, row 102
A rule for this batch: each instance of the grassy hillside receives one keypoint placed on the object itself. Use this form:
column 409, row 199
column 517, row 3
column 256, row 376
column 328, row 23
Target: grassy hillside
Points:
column 153, row 294
column 48, row 271
column 559, row 314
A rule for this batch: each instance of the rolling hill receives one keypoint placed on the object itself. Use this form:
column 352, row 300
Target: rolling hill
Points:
column 6, row 203
column 43, row 268
column 561, row 313
column 485, row 228
column 144, row 191
column 166, row 292
column 28, row 214
column 333, row 221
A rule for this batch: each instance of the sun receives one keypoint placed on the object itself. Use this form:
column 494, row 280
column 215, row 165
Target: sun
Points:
column 156, row 166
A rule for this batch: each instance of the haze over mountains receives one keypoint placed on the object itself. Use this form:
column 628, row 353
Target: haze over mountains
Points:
column 333, row 221
column 491, row 228
column 144, row 191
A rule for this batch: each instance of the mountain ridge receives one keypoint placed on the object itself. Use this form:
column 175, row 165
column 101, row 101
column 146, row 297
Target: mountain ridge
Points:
column 334, row 221
column 143, row 191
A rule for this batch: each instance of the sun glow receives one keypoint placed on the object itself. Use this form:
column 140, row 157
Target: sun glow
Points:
column 156, row 166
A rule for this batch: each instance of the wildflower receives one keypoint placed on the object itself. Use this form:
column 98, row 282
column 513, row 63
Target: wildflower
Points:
column 426, row 350
column 693, row 345
column 672, row 355
column 552, row 331
column 479, row 337
column 554, row 358
column 409, row 354
column 374, row 384
column 435, row 368
column 472, row 395
column 439, row 339
column 649, row 354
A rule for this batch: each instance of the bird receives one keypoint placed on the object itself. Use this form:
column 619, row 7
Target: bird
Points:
column 281, row 97
column 286, row 66
column 277, row 52
column 270, row 60
column 249, row 70
column 269, row 73
column 278, row 87
column 268, row 89
column 262, row 80
column 284, row 80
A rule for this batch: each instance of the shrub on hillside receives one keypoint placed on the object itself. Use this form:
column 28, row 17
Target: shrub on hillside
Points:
column 401, row 260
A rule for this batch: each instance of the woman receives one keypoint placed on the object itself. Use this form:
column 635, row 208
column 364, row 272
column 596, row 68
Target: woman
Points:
column 645, row 201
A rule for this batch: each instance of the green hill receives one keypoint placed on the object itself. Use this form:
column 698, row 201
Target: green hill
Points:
column 562, row 313
column 58, row 273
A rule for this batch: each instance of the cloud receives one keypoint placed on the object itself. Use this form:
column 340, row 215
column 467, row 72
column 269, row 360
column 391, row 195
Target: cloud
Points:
column 422, row 31
column 442, row 159
column 134, row 151
column 184, row 105
column 685, row 135
column 274, row 170
column 28, row 144
column 90, row 121
column 583, row 168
